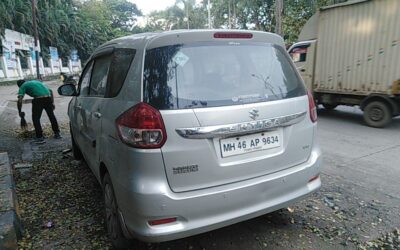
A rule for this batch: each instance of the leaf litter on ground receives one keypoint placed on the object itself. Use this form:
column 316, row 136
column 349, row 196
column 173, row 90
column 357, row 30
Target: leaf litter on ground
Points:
column 29, row 132
column 61, row 206
column 390, row 241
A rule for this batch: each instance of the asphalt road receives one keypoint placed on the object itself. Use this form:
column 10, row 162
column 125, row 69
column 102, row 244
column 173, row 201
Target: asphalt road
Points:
column 359, row 200
column 363, row 164
column 367, row 157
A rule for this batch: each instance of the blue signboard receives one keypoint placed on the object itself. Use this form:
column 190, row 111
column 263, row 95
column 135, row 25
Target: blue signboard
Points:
column 54, row 54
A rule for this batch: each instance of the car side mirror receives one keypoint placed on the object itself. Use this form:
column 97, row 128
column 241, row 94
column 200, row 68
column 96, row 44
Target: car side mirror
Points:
column 67, row 90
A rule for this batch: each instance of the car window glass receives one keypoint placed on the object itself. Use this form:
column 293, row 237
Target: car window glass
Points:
column 85, row 80
column 213, row 74
column 99, row 76
column 120, row 64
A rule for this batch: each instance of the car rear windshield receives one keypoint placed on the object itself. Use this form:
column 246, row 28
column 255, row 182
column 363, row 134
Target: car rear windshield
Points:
column 213, row 74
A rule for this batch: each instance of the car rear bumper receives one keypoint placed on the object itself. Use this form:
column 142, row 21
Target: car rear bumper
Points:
column 208, row 209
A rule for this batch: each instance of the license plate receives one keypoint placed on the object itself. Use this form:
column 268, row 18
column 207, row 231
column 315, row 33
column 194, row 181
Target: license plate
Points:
column 250, row 143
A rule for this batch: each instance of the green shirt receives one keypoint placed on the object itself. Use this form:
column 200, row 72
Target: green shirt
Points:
column 34, row 89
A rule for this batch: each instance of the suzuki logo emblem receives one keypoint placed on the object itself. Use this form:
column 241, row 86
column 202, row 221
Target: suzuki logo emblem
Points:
column 254, row 114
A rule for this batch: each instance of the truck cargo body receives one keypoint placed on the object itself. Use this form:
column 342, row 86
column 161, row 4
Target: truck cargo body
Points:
column 349, row 54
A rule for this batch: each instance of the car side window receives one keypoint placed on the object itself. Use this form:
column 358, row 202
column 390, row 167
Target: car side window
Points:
column 120, row 64
column 98, row 80
column 85, row 80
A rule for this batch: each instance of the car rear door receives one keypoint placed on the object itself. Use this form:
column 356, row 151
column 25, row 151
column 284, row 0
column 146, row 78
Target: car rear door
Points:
column 232, row 111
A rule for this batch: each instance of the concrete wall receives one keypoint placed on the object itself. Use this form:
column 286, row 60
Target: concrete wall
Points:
column 55, row 68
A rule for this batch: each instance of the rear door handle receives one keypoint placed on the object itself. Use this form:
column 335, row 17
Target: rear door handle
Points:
column 97, row 114
column 78, row 107
column 303, row 70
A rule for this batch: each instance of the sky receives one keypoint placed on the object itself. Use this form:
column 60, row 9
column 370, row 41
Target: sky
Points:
column 147, row 6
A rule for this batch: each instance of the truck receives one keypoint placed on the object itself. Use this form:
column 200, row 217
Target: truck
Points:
column 349, row 54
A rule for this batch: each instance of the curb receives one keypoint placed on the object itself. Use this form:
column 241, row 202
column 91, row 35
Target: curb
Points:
column 10, row 226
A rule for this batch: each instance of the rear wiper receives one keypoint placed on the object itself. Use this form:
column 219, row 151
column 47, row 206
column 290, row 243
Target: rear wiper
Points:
column 203, row 103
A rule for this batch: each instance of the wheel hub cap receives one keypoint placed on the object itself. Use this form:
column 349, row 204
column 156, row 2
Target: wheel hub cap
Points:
column 376, row 114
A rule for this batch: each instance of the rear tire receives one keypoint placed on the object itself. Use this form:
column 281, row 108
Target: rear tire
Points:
column 377, row 114
column 112, row 221
column 76, row 152
column 329, row 106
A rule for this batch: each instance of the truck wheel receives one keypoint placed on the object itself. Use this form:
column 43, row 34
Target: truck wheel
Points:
column 377, row 114
column 113, row 224
column 329, row 106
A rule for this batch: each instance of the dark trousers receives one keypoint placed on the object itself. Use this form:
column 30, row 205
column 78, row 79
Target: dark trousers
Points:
column 38, row 105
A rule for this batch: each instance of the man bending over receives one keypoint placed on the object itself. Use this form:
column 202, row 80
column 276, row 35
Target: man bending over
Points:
column 42, row 100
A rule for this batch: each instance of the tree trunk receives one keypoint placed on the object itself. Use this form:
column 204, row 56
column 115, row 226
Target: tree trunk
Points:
column 278, row 17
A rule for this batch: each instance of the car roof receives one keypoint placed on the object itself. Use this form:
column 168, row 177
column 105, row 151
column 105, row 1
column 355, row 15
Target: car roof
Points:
column 156, row 39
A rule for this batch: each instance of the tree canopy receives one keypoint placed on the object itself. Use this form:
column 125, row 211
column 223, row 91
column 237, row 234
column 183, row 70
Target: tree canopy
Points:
column 237, row 14
column 69, row 24
column 85, row 24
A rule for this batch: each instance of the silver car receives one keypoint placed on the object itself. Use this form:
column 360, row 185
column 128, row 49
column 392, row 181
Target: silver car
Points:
column 189, row 131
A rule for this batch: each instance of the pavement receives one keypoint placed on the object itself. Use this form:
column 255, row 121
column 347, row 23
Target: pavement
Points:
column 357, row 206
column 10, row 121
column 10, row 226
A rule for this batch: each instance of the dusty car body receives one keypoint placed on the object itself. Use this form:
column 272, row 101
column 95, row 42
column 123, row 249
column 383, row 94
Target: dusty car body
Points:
column 189, row 131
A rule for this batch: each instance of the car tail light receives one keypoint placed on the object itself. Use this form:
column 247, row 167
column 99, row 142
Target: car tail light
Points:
column 142, row 127
column 230, row 35
column 313, row 108
column 162, row 221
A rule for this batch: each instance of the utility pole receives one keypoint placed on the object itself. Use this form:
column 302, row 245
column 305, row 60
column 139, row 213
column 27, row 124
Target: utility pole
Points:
column 234, row 15
column 229, row 15
column 209, row 14
column 187, row 14
column 35, row 31
column 278, row 17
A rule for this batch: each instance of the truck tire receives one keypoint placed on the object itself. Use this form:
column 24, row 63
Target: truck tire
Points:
column 377, row 114
column 112, row 221
column 329, row 106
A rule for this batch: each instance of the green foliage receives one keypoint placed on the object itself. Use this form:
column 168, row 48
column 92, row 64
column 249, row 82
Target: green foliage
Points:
column 69, row 24
column 297, row 13
column 85, row 24
column 239, row 14
column 178, row 16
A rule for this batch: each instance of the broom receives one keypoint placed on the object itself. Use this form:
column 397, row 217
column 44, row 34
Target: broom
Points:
column 24, row 125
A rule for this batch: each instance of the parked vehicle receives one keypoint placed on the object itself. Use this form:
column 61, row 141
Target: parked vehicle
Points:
column 189, row 131
column 68, row 78
column 349, row 53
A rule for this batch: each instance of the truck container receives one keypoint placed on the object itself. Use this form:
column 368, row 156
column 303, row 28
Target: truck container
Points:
column 349, row 54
